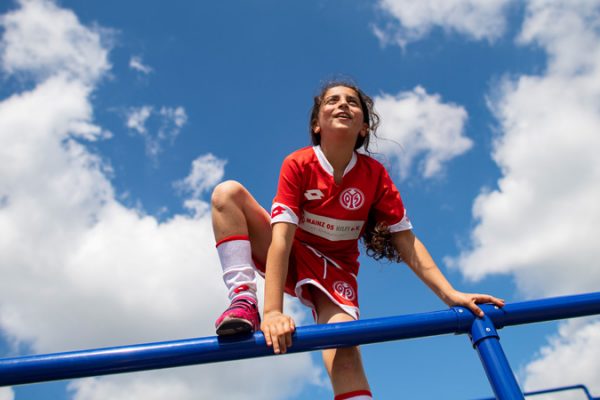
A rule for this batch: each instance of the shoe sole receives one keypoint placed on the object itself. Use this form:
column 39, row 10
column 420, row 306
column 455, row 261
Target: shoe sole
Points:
column 234, row 326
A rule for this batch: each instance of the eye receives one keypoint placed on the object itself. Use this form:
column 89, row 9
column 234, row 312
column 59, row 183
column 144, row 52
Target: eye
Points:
column 353, row 101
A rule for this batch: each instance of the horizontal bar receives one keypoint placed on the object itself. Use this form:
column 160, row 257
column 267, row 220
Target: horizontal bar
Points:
column 558, row 389
column 563, row 389
column 78, row 364
column 548, row 309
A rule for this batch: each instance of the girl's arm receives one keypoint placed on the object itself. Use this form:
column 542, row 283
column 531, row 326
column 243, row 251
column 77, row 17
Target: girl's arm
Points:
column 414, row 253
column 276, row 326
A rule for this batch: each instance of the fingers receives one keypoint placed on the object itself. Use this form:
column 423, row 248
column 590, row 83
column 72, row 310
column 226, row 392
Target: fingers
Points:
column 486, row 298
column 278, row 333
column 481, row 299
column 288, row 336
column 475, row 310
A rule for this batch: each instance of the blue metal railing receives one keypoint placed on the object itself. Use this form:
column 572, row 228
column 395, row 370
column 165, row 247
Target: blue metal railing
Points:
column 564, row 389
column 457, row 320
column 558, row 389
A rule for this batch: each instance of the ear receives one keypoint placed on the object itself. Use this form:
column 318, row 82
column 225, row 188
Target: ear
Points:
column 365, row 129
column 316, row 128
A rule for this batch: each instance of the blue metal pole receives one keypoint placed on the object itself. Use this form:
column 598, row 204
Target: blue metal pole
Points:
column 78, row 364
column 29, row 369
column 486, row 340
column 548, row 309
column 563, row 389
column 558, row 389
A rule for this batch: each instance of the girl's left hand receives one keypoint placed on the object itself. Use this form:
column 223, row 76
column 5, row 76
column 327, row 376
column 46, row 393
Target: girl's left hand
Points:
column 470, row 301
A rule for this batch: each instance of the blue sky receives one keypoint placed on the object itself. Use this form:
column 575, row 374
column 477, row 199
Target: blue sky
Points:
column 117, row 119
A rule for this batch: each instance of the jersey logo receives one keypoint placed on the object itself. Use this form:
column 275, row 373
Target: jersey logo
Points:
column 277, row 211
column 352, row 199
column 345, row 290
column 313, row 194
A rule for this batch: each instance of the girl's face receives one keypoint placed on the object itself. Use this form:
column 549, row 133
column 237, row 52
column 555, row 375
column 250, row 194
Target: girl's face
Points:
column 341, row 112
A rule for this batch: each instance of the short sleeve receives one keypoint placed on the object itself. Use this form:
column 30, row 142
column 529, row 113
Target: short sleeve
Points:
column 388, row 206
column 286, row 205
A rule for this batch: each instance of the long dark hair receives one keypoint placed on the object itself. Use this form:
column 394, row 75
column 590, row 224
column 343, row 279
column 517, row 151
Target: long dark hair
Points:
column 376, row 237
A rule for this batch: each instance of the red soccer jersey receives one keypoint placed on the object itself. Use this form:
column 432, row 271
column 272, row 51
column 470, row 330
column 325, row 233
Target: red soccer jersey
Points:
column 332, row 217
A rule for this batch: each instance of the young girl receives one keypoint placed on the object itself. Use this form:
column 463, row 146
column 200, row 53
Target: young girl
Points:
column 329, row 195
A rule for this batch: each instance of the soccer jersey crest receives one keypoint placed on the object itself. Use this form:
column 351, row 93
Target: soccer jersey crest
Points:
column 352, row 199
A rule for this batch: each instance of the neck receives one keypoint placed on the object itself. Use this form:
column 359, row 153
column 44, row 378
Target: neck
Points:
column 338, row 155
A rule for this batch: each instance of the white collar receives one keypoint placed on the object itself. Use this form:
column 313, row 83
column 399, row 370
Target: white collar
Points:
column 327, row 166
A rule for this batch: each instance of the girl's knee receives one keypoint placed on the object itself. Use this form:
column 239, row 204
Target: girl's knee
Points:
column 225, row 192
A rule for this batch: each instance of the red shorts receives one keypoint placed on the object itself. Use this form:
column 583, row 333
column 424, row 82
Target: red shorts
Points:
column 308, row 266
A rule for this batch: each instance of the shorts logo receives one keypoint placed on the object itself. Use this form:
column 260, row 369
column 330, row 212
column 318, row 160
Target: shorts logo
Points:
column 313, row 194
column 345, row 290
column 352, row 199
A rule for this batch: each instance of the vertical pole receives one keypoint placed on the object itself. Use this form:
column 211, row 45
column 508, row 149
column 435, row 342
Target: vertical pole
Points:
column 486, row 341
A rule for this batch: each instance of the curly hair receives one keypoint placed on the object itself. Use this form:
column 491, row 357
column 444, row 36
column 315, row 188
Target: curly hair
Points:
column 376, row 236
column 377, row 239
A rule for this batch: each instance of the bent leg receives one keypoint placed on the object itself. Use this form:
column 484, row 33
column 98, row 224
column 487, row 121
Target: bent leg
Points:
column 236, row 213
column 344, row 365
column 242, row 230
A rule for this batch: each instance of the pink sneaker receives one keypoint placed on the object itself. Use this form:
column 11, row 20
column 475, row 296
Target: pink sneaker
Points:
column 241, row 317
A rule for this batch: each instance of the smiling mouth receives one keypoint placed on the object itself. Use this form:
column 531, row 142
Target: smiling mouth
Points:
column 343, row 116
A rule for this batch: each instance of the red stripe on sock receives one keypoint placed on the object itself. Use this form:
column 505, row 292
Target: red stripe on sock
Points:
column 349, row 395
column 230, row 238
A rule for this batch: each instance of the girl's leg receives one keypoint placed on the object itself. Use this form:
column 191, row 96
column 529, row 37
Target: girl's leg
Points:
column 242, row 230
column 236, row 213
column 344, row 365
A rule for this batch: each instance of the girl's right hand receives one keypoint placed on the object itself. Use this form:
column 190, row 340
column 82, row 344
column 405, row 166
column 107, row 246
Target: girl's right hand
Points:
column 278, row 328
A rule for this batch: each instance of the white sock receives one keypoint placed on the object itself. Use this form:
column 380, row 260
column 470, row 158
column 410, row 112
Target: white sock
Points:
column 239, row 273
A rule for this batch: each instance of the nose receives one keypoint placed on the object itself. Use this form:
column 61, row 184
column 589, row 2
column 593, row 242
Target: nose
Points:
column 343, row 104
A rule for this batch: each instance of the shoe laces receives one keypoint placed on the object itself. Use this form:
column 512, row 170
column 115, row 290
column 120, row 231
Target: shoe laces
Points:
column 245, row 304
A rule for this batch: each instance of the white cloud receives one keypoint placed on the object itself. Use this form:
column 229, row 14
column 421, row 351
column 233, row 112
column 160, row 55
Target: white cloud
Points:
column 541, row 222
column 543, row 216
column 136, row 63
column 575, row 346
column 166, row 124
column 136, row 119
column 416, row 125
column 412, row 20
column 206, row 172
column 44, row 40
column 6, row 393
column 79, row 269
column 213, row 381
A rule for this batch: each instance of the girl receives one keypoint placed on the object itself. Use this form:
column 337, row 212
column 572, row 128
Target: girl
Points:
column 328, row 196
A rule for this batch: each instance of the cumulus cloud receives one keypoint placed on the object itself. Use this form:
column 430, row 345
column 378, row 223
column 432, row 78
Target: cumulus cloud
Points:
column 418, row 126
column 412, row 20
column 575, row 346
column 543, row 215
column 43, row 40
column 541, row 222
column 206, row 172
column 136, row 63
column 81, row 270
column 165, row 125
column 6, row 393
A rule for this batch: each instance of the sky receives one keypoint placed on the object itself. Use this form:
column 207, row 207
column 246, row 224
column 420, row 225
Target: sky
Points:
column 118, row 118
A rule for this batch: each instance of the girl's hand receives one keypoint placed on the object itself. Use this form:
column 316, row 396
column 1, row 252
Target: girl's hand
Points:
column 470, row 301
column 278, row 328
